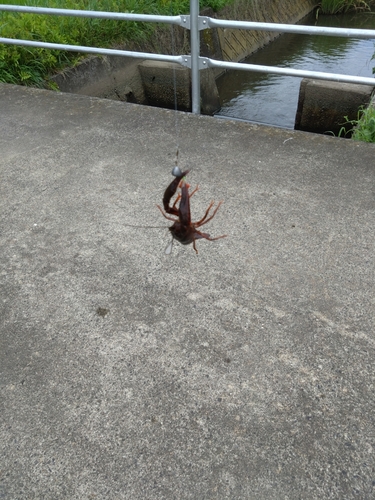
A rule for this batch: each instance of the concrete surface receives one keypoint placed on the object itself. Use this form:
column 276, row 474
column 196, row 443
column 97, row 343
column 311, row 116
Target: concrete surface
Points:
column 246, row 372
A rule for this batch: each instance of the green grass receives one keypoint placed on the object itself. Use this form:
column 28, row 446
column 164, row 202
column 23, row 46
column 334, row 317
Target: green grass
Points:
column 362, row 128
column 365, row 127
column 339, row 6
column 30, row 66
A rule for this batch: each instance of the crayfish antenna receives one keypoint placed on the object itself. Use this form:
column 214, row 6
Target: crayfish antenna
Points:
column 168, row 250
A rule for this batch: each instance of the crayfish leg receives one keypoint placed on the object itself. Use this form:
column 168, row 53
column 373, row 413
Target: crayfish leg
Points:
column 193, row 192
column 204, row 219
column 195, row 248
column 166, row 216
column 198, row 235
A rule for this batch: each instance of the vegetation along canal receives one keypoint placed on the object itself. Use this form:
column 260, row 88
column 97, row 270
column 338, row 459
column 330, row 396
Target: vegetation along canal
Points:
column 273, row 99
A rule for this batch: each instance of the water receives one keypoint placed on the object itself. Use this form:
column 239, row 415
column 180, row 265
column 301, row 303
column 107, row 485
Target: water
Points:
column 273, row 99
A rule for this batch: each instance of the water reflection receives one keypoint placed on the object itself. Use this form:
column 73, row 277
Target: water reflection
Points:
column 273, row 99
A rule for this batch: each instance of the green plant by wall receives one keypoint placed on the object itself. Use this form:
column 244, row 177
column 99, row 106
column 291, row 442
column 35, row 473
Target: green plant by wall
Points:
column 363, row 128
column 339, row 6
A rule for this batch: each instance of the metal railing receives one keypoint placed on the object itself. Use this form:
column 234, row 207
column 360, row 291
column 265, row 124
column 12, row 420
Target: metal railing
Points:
column 195, row 23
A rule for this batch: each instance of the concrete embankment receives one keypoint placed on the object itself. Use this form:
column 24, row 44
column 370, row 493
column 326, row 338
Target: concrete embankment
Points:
column 243, row 372
column 236, row 45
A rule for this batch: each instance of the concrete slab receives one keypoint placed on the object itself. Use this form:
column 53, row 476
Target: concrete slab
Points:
column 244, row 372
column 330, row 106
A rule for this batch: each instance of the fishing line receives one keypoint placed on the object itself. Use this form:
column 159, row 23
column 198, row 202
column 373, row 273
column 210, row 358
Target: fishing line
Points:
column 176, row 171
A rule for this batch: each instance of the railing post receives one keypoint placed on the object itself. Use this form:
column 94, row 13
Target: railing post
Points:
column 195, row 53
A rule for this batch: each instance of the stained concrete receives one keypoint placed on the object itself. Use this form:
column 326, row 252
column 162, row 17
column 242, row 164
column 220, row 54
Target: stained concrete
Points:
column 243, row 372
column 330, row 106
column 237, row 44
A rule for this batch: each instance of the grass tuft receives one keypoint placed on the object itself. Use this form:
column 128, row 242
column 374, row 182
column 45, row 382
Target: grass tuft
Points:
column 365, row 127
column 362, row 128
column 340, row 6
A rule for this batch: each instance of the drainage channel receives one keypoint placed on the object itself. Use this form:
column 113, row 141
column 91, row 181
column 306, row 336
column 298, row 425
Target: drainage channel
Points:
column 272, row 99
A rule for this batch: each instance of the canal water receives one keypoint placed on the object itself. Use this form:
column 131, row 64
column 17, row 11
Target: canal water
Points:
column 272, row 99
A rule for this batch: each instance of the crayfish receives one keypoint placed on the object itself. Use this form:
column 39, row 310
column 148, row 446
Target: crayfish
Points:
column 183, row 230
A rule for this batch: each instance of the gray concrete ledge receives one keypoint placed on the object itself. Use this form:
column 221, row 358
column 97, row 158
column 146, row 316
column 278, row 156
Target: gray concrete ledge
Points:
column 246, row 372
column 328, row 106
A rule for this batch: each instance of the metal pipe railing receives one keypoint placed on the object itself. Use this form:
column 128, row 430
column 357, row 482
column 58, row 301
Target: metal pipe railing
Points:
column 318, row 75
column 183, row 60
column 195, row 53
column 97, row 14
column 196, row 23
column 209, row 22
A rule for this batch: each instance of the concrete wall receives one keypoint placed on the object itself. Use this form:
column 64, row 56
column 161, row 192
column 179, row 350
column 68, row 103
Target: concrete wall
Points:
column 163, row 83
column 108, row 77
column 323, row 105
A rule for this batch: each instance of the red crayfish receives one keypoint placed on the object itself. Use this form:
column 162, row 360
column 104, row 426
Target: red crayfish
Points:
column 183, row 230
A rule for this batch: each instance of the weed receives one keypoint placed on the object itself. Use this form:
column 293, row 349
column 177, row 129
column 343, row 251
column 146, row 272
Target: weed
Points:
column 339, row 6
column 363, row 127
